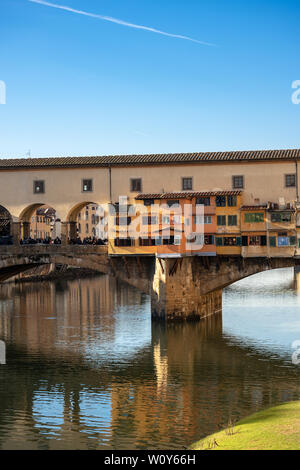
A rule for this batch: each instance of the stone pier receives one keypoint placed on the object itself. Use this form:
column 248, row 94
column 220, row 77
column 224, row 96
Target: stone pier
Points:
column 176, row 292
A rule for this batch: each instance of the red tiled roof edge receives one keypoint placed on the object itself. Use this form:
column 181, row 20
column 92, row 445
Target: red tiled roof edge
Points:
column 187, row 194
column 151, row 159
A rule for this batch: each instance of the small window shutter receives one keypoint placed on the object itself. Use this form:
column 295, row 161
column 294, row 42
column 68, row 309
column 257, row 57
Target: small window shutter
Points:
column 244, row 241
column 263, row 240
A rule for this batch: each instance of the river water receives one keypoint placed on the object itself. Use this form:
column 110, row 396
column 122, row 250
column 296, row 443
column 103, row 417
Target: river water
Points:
column 87, row 369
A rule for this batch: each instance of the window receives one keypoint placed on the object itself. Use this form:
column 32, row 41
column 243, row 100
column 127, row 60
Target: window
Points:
column 123, row 221
column 150, row 220
column 272, row 241
column 148, row 202
column 198, row 219
column 79, row 228
column 39, row 187
column 254, row 217
column 232, row 241
column 254, row 241
column 231, row 201
column 136, row 185
column 187, row 184
column 87, row 186
column 221, row 220
column 283, row 240
column 290, row 181
column 168, row 241
column 208, row 219
column 209, row 240
column 87, row 228
column 172, row 202
column 219, row 241
column 204, row 201
column 220, row 201
column 123, row 242
column 232, row 220
column 281, row 217
column 177, row 240
column 238, row 182
column 165, row 219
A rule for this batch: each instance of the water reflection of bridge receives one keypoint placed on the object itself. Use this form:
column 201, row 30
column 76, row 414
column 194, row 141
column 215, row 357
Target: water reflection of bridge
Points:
column 179, row 372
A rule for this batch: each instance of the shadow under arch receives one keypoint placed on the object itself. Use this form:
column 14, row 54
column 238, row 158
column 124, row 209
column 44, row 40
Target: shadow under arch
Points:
column 269, row 280
column 5, row 222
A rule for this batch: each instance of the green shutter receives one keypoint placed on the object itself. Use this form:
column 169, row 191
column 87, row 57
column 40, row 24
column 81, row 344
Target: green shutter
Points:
column 256, row 217
column 219, row 241
column 232, row 220
column 272, row 241
column 293, row 241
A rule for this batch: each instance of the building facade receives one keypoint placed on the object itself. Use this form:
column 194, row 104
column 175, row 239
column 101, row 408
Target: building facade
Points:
column 70, row 184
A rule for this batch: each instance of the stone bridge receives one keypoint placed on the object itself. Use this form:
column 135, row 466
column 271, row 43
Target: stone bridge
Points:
column 184, row 288
column 21, row 258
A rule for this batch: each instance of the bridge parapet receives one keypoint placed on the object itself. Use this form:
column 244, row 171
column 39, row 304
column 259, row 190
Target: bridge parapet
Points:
column 52, row 249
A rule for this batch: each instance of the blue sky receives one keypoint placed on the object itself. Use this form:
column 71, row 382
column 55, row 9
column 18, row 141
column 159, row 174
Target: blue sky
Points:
column 78, row 85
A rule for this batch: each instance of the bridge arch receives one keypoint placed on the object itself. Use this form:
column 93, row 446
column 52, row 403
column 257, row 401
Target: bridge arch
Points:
column 26, row 227
column 15, row 260
column 76, row 227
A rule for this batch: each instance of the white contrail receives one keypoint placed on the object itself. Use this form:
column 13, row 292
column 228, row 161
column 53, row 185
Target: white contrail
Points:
column 121, row 22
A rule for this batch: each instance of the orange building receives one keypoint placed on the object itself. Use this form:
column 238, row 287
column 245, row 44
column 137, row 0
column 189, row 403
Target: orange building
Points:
column 173, row 224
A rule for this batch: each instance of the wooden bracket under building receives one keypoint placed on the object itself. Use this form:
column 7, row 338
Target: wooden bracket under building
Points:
column 161, row 265
column 126, row 266
column 174, row 267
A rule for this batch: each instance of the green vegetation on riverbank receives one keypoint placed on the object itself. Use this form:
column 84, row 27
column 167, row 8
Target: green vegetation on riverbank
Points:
column 276, row 428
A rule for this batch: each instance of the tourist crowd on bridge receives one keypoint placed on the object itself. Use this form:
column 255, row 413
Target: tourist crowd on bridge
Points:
column 8, row 240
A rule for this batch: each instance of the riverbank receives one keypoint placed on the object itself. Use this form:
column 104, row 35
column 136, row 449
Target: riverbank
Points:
column 276, row 428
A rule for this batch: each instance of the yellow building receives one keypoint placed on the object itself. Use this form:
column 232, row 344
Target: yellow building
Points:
column 228, row 236
column 88, row 221
column 42, row 223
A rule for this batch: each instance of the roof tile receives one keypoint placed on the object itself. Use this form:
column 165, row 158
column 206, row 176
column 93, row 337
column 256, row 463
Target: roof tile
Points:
column 152, row 159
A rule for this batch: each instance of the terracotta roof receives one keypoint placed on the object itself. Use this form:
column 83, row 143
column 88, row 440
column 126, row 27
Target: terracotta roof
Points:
column 186, row 194
column 152, row 159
